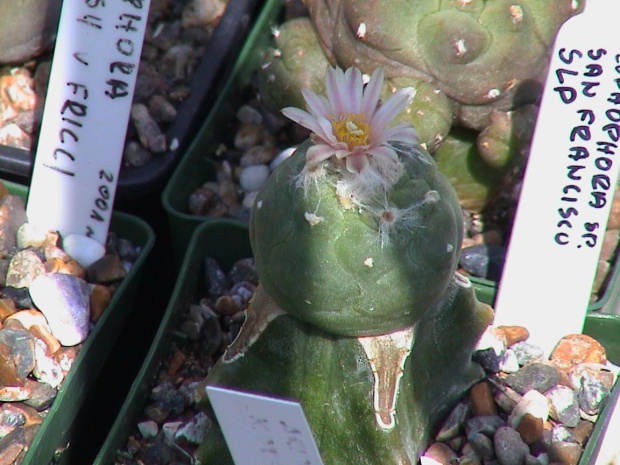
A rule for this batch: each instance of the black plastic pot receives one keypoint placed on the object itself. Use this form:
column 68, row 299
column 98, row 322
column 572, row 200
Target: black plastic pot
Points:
column 16, row 164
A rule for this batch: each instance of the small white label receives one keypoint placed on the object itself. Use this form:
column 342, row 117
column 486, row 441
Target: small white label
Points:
column 87, row 107
column 569, row 182
column 262, row 430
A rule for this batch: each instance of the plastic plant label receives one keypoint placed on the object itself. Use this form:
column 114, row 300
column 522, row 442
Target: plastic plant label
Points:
column 569, row 182
column 607, row 451
column 263, row 430
column 91, row 86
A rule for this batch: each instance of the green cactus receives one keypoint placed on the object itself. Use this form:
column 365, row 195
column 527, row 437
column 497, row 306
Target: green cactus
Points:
column 357, row 270
column 368, row 401
column 295, row 62
column 477, row 64
column 473, row 179
column 356, row 239
column 429, row 112
column 507, row 138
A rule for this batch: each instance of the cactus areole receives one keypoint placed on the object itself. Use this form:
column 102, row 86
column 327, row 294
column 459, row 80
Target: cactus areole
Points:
column 357, row 233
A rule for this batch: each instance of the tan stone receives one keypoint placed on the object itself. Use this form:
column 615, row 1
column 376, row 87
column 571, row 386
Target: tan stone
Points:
column 175, row 362
column 592, row 370
column 566, row 453
column 100, row 297
column 441, row 453
column 54, row 265
column 481, row 400
column 513, row 334
column 30, row 414
column 28, row 318
column 51, row 343
column 74, row 268
column 10, row 452
column 530, row 428
column 582, row 431
column 227, row 305
column 575, row 349
column 7, row 307
column 8, row 370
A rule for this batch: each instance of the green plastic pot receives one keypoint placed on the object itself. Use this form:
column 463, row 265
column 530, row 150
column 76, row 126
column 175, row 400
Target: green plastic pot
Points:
column 54, row 436
column 197, row 165
column 224, row 241
column 228, row 242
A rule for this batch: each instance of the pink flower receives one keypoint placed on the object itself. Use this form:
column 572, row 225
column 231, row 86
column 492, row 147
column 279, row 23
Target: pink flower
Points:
column 350, row 123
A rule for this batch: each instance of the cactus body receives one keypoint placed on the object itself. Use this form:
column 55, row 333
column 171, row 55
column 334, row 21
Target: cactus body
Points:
column 357, row 268
column 335, row 383
column 295, row 62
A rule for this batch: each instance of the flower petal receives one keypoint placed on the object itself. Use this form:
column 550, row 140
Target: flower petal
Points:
column 327, row 131
column 305, row 119
column 399, row 133
column 357, row 162
column 392, row 107
column 318, row 125
column 383, row 152
column 372, row 93
column 334, row 84
column 342, row 152
column 317, row 153
column 354, row 91
column 317, row 104
column 297, row 114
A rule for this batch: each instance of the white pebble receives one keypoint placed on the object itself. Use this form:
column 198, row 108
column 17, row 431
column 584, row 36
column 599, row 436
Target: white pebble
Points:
column 248, row 114
column 194, row 430
column 83, row 249
column 248, row 200
column 424, row 460
column 28, row 235
column 253, row 177
column 532, row 402
column 65, row 301
column 148, row 429
column 46, row 370
column 509, row 362
column 490, row 340
column 279, row 158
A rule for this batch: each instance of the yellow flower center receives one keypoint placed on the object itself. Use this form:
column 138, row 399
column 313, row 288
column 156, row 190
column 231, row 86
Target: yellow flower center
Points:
column 351, row 129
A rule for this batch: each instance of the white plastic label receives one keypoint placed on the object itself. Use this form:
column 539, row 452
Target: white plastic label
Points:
column 87, row 107
column 569, row 182
column 262, row 430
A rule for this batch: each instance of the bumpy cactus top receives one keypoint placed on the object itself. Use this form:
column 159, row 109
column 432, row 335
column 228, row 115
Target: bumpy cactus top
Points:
column 475, row 64
column 478, row 52
column 357, row 233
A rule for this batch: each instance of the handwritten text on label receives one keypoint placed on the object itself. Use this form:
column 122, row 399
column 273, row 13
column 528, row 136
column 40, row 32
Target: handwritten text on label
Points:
column 86, row 114
column 582, row 76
